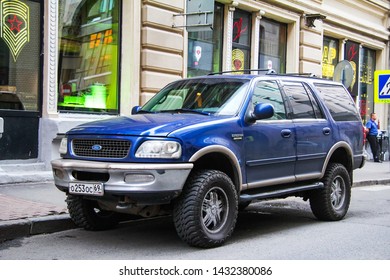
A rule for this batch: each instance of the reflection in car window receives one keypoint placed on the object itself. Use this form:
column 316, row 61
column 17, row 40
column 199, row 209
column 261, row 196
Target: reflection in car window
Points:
column 269, row 92
column 213, row 96
column 338, row 101
column 300, row 101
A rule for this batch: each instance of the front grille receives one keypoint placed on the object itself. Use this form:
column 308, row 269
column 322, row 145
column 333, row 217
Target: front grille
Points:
column 100, row 148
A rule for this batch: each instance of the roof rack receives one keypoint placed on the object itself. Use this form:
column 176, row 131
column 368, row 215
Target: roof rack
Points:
column 298, row 74
column 268, row 71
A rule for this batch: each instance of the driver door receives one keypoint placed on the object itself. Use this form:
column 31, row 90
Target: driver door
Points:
column 270, row 150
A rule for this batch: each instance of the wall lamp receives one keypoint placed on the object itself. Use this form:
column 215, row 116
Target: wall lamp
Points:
column 310, row 18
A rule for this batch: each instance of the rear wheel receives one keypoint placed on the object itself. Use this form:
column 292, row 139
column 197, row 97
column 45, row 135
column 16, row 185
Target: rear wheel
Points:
column 87, row 214
column 205, row 214
column 332, row 202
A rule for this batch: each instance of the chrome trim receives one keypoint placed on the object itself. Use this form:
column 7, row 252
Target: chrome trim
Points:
column 225, row 151
column 309, row 176
column 92, row 165
column 341, row 144
column 271, row 182
column 162, row 173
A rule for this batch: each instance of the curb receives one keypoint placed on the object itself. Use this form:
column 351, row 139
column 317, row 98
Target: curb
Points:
column 25, row 177
column 33, row 226
column 371, row 183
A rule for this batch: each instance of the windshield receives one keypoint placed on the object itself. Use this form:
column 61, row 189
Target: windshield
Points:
column 219, row 96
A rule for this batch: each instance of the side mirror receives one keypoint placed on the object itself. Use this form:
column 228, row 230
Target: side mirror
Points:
column 135, row 110
column 262, row 111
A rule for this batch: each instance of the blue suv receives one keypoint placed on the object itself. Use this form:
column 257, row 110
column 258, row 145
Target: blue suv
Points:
column 204, row 148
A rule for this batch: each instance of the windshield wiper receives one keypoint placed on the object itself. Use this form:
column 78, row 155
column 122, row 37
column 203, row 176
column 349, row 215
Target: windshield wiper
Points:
column 184, row 110
column 145, row 112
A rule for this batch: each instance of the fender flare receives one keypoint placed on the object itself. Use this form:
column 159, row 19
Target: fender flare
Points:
column 229, row 154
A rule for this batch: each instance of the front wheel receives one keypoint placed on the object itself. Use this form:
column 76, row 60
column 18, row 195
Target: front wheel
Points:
column 332, row 202
column 205, row 214
column 87, row 214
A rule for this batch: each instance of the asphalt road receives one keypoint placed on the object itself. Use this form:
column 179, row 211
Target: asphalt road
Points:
column 271, row 230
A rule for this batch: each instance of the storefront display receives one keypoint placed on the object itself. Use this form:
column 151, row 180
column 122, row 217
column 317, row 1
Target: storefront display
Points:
column 366, row 84
column 330, row 57
column 89, row 56
column 273, row 44
column 205, row 47
column 242, row 30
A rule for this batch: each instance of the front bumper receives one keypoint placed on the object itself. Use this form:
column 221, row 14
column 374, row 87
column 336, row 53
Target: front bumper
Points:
column 142, row 183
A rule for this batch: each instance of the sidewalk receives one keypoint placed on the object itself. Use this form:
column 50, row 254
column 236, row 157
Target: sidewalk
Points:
column 32, row 205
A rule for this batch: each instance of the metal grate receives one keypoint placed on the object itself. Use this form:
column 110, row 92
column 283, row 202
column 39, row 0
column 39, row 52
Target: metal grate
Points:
column 100, row 148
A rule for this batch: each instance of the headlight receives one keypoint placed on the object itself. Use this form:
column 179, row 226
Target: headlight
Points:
column 159, row 149
column 63, row 146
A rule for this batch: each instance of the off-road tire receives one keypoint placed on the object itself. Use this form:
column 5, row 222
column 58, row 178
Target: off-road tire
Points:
column 332, row 202
column 88, row 215
column 205, row 213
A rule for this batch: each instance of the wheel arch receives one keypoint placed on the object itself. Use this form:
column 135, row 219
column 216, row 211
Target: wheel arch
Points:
column 341, row 153
column 219, row 158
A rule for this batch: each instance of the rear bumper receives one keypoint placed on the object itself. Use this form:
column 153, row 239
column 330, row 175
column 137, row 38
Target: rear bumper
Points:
column 363, row 161
column 142, row 183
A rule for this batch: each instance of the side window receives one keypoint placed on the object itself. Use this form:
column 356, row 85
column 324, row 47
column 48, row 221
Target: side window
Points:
column 269, row 92
column 316, row 106
column 300, row 100
column 339, row 102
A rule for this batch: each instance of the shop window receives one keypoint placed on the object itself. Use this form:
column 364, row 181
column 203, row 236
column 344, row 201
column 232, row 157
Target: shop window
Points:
column 20, row 62
column 88, row 55
column 352, row 54
column 330, row 55
column 241, row 40
column 273, row 45
column 366, row 78
column 205, row 47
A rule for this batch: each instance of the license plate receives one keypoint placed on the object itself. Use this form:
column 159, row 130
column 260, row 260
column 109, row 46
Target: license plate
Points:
column 86, row 188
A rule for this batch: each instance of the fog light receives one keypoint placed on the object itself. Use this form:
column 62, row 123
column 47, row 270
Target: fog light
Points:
column 58, row 173
column 139, row 178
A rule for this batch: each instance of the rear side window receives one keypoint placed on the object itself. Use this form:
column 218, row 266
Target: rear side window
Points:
column 338, row 101
column 303, row 105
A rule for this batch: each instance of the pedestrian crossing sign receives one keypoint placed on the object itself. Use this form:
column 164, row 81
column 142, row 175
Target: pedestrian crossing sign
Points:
column 382, row 86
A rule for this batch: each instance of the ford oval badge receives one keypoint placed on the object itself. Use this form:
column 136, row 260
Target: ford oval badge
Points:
column 97, row 147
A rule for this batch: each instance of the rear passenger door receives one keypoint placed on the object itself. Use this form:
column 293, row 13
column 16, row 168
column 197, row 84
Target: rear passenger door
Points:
column 313, row 131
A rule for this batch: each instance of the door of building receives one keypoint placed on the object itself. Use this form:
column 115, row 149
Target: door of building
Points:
column 20, row 77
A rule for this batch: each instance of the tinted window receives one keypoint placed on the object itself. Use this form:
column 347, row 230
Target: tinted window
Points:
column 269, row 92
column 314, row 103
column 338, row 101
column 300, row 101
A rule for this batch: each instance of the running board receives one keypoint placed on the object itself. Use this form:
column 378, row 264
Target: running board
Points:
column 277, row 191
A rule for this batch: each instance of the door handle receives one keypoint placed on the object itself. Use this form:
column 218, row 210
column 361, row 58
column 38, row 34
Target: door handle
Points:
column 326, row 130
column 286, row 133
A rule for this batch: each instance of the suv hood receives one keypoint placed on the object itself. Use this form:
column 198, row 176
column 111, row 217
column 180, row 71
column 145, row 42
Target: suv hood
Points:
column 140, row 125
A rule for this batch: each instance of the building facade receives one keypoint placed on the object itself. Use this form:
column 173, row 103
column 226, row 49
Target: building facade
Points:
column 68, row 62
